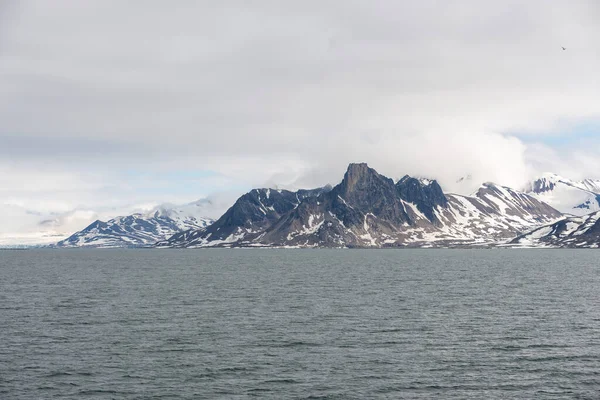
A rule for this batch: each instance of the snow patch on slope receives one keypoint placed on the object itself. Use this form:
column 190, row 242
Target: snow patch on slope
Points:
column 566, row 195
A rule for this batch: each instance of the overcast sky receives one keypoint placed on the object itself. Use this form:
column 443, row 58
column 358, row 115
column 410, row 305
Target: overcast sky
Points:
column 121, row 103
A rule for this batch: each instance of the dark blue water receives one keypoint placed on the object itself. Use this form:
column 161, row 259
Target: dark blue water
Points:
column 338, row 324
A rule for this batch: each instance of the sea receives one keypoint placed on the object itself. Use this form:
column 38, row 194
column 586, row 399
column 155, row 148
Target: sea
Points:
column 300, row 324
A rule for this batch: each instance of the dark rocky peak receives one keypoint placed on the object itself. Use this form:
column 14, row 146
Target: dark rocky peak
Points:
column 264, row 199
column 254, row 211
column 358, row 179
column 258, row 206
column 366, row 190
column 424, row 193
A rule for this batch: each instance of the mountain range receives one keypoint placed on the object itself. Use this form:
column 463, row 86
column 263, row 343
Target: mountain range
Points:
column 140, row 230
column 367, row 209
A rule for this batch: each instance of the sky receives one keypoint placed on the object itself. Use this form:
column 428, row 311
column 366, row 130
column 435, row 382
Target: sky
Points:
column 110, row 106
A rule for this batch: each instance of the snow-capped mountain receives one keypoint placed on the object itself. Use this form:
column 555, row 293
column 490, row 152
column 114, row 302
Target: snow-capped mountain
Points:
column 582, row 231
column 567, row 196
column 369, row 210
column 138, row 230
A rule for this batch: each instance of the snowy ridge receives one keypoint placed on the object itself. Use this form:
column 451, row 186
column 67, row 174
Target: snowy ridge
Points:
column 139, row 230
column 493, row 214
column 566, row 195
column 575, row 232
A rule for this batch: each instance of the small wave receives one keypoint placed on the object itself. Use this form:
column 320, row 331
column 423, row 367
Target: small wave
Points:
column 507, row 348
column 392, row 330
column 55, row 374
column 548, row 346
column 258, row 390
column 133, row 376
column 97, row 391
column 282, row 380
column 298, row 344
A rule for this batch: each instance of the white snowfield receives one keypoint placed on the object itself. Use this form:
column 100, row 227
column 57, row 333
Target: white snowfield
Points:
column 566, row 195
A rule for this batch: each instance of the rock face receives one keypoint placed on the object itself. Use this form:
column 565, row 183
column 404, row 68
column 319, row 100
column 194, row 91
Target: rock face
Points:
column 367, row 209
column 574, row 232
column 138, row 230
column 426, row 194
column 566, row 195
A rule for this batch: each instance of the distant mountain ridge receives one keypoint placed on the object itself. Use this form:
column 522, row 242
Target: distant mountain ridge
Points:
column 566, row 195
column 367, row 209
column 139, row 230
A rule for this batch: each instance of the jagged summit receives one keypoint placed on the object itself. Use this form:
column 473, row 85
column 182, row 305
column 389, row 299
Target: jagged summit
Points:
column 365, row 188
column 360, row 177
column 359, row 168
column 421, row 191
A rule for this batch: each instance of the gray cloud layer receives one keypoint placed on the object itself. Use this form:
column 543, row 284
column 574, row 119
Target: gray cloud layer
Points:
column 271, row 92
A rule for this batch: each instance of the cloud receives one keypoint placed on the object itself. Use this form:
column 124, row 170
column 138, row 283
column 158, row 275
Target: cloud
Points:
column 272, row 93
column 576, row 162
